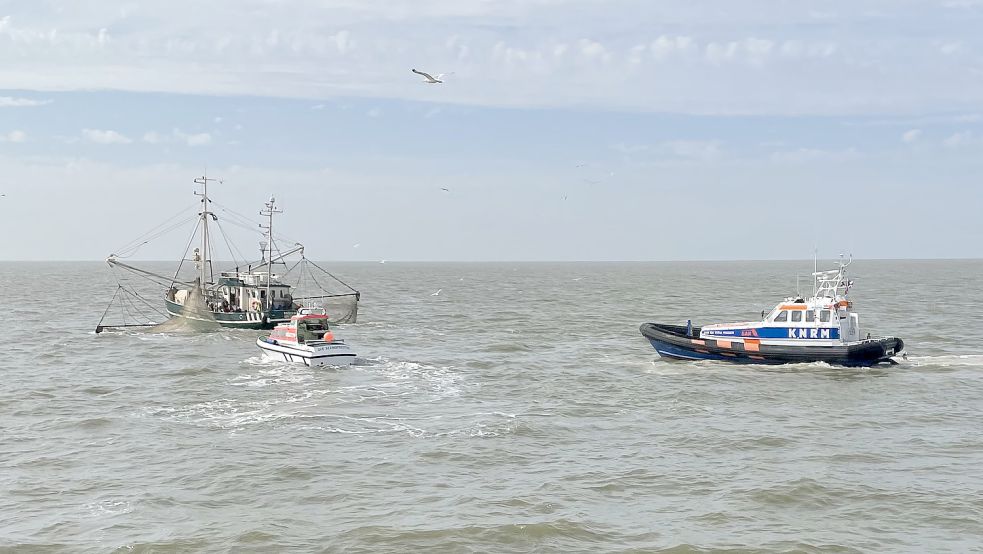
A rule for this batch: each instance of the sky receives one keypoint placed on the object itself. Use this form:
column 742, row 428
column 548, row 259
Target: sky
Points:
column 563, row 130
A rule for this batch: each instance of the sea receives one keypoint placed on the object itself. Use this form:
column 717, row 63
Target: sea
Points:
column 518, row 410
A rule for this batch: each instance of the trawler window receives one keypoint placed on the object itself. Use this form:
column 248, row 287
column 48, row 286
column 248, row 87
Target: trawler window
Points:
column 796, row 316
column 824, row 316
column 810, row 316
column 782, row 316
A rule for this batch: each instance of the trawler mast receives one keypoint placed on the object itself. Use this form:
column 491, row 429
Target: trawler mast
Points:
column 204, row 258
column 270, row 210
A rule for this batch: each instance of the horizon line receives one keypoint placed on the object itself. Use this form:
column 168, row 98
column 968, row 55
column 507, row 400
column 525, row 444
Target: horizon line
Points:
column 386, row 261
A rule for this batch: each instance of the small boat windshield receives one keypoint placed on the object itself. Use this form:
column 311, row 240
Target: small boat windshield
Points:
column 311, row 329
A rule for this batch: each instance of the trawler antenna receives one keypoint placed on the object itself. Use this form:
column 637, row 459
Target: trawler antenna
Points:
column 269, row 211
column 205, row 270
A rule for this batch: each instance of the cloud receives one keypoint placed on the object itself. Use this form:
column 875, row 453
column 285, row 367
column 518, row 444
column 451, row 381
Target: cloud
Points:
column 672, row 151
column 807, row 155
column 101, row 136
column 676, row 56
column 179, row 136
column 193, row 139
column 374, row 112
column 958, row 139
column 692, row 149
column 911, row 135
column 11, row 102
column 14, row 136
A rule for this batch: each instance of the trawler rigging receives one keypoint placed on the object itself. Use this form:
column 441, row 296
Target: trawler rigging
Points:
column 257, row 297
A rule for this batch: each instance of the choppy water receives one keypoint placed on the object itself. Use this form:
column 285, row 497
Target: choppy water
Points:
column 520, row 410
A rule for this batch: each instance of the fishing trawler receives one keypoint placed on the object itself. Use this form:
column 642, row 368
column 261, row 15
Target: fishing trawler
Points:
column 306, row 338
column 823, row 328
column 251, row 295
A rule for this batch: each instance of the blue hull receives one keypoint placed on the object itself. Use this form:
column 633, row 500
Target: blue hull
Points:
column 667, row 350
column 679, row 343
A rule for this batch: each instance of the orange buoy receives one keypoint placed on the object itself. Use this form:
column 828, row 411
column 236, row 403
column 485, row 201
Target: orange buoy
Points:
column 328, row 336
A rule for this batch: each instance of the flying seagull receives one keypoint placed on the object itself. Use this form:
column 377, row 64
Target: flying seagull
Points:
column 437, row 293
column 427, row 78
column 445, row 189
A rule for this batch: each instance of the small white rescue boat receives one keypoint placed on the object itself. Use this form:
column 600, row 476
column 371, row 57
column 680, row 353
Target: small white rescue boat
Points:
column 306, row 338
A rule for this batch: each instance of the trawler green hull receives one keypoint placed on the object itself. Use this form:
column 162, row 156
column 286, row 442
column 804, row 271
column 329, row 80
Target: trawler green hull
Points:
column 235, row 320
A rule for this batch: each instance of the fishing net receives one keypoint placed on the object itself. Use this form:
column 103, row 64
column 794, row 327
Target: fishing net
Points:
column 129, row 310
column 342, row 308
column 195, row 315
column 315, row 287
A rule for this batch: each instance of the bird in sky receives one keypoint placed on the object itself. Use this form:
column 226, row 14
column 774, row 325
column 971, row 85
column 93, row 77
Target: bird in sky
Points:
column 445, row 189
column 356, row 245
column 437, row 293
column 428, row 78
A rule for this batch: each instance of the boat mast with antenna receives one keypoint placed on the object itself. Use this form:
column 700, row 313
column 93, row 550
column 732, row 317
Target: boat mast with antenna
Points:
column 205, row 275
column 268, row 212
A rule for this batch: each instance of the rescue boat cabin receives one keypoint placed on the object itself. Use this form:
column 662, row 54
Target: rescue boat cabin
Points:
column 309, row 325
column 825, row 318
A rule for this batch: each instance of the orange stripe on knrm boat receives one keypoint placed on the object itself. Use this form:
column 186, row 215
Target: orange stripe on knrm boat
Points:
column 793, row 307
column 698, row 341
column 723, row 343
column 752, row 345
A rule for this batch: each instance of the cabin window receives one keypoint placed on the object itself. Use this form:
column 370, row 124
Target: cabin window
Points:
column 797, row 315
column 824, row 316
column 810, row 316
column 782, row 316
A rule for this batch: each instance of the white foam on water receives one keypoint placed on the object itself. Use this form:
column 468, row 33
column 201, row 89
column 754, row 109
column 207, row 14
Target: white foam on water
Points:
column 300, row 392
column 107, row 508
column 952, row 360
